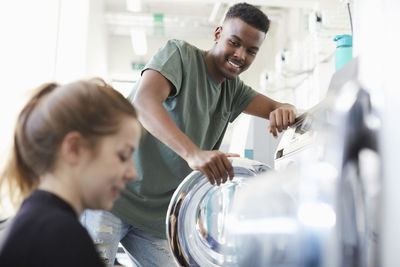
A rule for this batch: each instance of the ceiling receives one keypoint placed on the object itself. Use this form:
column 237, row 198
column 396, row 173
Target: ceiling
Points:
column 185, row 17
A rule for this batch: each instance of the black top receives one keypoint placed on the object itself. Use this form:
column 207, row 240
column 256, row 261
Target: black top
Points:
column 46, row 232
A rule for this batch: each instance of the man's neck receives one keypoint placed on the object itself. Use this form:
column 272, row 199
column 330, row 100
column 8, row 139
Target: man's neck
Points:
column 212, row 68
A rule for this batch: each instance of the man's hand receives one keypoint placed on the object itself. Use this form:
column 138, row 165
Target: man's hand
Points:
column 214, row 164
column 280, row 115
column 281, row 118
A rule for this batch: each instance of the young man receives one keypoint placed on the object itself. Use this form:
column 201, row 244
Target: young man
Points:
column 185, row 99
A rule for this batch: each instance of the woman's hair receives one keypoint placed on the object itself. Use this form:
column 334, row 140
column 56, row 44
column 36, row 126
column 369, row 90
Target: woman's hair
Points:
column 92, row 108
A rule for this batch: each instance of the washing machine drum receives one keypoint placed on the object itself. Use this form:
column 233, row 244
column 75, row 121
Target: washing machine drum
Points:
column 197, row 215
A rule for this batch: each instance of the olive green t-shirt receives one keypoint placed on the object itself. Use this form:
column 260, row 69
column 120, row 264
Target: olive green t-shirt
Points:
column 202, row 109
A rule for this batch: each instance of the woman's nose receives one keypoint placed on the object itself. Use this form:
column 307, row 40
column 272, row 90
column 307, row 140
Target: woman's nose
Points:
column 131, row 174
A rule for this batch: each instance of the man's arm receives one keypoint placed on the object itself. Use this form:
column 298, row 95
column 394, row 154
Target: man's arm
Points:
column 153, row 90
column 280, row 115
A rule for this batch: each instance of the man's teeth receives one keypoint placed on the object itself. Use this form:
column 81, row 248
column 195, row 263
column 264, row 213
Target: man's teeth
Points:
column 233, row 64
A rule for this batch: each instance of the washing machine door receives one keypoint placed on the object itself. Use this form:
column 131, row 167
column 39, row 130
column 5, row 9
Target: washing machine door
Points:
column 197, row 214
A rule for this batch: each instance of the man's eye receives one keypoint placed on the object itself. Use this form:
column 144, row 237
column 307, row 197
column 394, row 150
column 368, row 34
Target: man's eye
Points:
column 252, row 52
column 234, row 43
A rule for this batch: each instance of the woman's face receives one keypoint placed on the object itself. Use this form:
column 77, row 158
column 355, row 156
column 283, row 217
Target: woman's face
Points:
column 106, row 170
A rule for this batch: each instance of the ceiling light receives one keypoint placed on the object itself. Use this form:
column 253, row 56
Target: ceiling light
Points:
column 134, row 5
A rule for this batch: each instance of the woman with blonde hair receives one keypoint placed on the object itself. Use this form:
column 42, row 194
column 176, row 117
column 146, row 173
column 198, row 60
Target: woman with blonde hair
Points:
column 72, row 150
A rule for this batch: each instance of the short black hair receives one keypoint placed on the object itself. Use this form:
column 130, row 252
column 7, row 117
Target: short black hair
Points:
column 249, row 14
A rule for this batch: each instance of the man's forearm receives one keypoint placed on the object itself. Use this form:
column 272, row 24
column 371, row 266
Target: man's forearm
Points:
column 157, row 121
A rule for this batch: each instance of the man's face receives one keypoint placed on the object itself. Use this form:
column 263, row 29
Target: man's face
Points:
column 237, row 44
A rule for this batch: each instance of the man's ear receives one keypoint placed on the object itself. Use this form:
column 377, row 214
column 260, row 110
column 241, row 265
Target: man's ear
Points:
column 217, row 33
column 72, row 147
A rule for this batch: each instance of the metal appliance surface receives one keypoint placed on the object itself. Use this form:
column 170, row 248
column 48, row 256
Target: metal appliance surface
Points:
column 323, row 211
column 302, row 134
column 197, row 213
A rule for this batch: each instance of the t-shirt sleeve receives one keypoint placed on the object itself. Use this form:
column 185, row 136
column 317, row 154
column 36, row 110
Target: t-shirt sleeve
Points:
column 244, row 94
column 168, row 62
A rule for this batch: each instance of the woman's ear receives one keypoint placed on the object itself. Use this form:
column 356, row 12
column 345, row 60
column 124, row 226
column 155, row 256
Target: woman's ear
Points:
column 72, row 147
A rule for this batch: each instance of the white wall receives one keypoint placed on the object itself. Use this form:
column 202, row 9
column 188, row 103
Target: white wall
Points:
column 27, row 53
column 27, row 58
column 379, row 57
column 42, row 41
column 81, row 43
